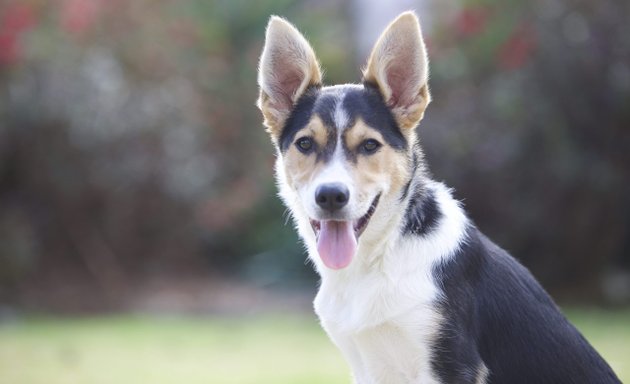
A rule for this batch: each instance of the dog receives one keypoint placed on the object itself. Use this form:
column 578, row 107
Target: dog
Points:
column 411, row 291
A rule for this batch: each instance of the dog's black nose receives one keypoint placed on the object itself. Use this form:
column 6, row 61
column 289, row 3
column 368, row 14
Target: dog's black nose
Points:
column 332, row 197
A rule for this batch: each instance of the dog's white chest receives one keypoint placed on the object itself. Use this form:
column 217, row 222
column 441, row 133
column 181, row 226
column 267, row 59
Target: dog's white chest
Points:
column 393, row 352
column 384, row 332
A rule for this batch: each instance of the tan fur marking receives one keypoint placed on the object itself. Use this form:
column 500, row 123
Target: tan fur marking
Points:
column 408, row 118
column 385, row 167
column 317, row 130
column 300, row 168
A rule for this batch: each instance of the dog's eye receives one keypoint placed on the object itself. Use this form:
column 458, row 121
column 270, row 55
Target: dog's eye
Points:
column 370, row 146
column 304, row 144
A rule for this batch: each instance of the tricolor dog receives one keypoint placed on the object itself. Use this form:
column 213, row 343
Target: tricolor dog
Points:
column 411, row 291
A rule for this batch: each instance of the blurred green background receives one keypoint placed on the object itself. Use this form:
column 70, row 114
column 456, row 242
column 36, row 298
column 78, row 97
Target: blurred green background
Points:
column 136, row 177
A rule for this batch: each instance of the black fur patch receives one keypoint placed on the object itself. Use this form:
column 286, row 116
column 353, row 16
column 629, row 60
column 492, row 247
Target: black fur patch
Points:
column 367, row 103
column 496, row 312
column 405, row 190
column 299, row 117
column 325, row 109
column 422, row 214
column 414, row 168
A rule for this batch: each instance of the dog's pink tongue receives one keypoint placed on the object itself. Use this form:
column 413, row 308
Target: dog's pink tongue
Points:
column 336, row 243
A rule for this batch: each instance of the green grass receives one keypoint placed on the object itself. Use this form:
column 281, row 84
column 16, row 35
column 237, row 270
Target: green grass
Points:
column 280, row 349
column 609, row 333
column 168, row 350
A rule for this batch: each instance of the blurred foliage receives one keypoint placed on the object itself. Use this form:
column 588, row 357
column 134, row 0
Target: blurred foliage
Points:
column 130, row 145
column 531, row 125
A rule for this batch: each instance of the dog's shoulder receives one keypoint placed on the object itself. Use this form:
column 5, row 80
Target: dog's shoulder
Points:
column 489, row 297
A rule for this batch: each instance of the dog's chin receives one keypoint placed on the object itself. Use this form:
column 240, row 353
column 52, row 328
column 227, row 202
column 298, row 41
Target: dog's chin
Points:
column 358, row 225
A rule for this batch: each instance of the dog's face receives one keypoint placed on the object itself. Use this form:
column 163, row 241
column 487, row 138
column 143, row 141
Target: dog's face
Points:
column 344, row 152
column 341, row 154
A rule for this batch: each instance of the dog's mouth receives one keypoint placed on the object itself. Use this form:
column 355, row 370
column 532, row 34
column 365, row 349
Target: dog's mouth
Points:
column 337, row 240
column 357, row 225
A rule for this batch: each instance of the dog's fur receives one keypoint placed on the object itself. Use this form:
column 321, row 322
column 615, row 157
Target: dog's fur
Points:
column 426, row 298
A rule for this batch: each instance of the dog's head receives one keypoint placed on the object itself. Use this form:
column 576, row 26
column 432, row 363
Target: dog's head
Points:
column 345, row 152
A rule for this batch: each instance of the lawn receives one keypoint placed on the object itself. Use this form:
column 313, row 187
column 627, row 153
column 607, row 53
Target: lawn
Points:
column 272, row 349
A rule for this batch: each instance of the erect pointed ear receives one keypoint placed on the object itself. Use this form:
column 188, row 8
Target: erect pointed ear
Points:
column 287, row 67
column 399, row 67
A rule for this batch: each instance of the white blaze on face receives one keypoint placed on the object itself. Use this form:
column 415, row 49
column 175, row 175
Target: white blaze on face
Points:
column 336, row 171
column 337, row 241
column 341, row 117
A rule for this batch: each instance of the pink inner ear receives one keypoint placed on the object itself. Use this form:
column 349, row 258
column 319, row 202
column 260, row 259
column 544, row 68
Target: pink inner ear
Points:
column 288, row 85
column 398, row 79
column 287, row 78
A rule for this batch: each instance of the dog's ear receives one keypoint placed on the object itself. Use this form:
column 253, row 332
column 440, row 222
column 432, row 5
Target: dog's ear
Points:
column 399, row 67
column 287, row 67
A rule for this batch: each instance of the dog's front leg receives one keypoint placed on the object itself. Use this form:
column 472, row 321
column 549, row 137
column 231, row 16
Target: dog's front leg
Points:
column 351, row 353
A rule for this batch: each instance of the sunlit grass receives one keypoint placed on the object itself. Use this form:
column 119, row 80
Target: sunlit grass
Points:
column 609, row 332
column 271, row 349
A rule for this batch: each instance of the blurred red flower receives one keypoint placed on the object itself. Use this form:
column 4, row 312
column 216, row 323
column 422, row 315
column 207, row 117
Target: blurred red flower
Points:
column 16, row 18
column 472, row 20
column 518, row 48
column 77, row 16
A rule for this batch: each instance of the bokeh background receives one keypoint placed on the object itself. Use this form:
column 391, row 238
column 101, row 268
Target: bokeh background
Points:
column 136, row 177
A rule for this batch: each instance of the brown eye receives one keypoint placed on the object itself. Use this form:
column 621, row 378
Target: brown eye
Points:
column 370, row 146
column 304, row 144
